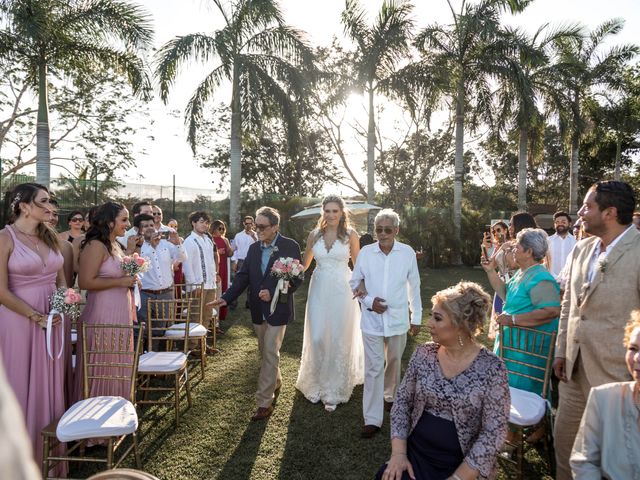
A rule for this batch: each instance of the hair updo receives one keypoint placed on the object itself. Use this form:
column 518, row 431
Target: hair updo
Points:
column 467, row 304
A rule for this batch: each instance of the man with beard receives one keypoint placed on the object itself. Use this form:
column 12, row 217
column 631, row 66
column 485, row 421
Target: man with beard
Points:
column 602, row 290
column 561, row 243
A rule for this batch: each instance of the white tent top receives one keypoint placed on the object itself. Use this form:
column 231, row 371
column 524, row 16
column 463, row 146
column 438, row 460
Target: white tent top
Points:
column 354, row 206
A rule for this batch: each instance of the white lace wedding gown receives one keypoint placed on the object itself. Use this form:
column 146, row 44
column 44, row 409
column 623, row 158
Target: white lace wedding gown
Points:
column 332, row 360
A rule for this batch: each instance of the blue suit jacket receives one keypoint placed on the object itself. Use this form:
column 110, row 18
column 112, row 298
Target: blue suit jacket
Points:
column 251, row 276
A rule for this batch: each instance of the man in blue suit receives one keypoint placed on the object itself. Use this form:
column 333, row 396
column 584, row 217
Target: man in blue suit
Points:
column 269, row 327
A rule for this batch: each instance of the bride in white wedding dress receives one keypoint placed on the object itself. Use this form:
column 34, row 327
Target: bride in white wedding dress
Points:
column 332, row 360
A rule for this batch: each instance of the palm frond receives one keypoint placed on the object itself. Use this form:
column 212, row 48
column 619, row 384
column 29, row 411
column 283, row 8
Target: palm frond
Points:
column 355, row 26
column 173, row 54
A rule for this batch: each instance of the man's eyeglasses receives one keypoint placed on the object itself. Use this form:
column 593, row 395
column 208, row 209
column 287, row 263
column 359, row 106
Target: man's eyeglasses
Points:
column 248, row 224
column 77, row 219
column 387, row 230
column 260, row 227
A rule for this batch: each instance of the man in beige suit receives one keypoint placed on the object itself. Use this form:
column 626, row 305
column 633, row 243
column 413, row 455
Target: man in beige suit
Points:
column 603, row 289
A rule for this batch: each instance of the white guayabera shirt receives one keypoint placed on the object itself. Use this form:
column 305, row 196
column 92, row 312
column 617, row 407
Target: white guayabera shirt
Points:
column 395, row 278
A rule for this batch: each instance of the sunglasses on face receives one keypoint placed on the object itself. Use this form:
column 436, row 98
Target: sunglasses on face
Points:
column 77, row 219
column 157, row 214
column 387, row 230
column 260, row 228
column 248, row 224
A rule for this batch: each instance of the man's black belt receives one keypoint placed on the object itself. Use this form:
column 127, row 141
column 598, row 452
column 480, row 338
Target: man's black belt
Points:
column 157, row 292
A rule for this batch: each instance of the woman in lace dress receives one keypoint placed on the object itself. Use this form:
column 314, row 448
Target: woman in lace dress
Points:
column 449, row 418
column 332, row 353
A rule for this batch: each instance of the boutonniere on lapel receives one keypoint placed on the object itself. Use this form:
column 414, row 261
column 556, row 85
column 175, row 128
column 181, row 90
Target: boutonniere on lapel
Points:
column 602, row 265
column 274, row 250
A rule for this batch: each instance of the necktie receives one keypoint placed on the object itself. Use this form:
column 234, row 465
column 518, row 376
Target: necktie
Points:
column 202, row 262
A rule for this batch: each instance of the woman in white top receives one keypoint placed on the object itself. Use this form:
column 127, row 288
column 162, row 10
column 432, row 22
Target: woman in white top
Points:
column 332, row 360
column 608, row 442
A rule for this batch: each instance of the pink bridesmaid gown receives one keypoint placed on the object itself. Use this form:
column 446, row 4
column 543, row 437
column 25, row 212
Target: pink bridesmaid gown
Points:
column 37, row 380
column 112, row 306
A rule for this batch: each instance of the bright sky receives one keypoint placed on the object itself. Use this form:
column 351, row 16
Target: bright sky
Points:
column 169, row 153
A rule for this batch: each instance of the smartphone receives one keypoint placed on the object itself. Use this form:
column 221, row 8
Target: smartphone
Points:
column 485, row 252
column 165, row 235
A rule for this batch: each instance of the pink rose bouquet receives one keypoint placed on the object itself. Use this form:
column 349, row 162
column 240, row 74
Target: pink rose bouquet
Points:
column 134, row 264
column 286, row 270
column 64, row 301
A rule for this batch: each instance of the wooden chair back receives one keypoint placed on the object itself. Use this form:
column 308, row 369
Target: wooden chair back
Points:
column 162, row 315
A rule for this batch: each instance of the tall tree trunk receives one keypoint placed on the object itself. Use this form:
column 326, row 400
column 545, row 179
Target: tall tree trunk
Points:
column 371, row 150
column 523, row 147
column 456, row 258
column 573, row 172
column 616, row 173
column 235, row 161
column 43, row 153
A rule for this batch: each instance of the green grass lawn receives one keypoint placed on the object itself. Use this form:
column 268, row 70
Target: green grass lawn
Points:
column 217, row 440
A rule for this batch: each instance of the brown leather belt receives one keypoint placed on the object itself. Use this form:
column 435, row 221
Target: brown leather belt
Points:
column 157, row 292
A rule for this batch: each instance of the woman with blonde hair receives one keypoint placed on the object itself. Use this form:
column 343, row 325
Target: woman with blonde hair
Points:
column 332, row 360
column 450, row 414
column 608, row 441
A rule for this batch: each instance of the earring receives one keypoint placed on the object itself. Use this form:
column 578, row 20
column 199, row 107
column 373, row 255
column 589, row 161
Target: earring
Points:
column 460, row 340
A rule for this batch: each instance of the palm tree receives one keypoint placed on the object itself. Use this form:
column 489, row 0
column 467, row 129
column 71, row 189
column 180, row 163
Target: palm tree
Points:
column 531, row 75
column 267, row 63
column 379, row 50
column 71, row 38
column 594, row 69
column 463, row 57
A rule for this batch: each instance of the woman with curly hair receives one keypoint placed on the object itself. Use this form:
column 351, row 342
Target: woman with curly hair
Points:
column 332, row 360
column 108, row 287
column 449, row 418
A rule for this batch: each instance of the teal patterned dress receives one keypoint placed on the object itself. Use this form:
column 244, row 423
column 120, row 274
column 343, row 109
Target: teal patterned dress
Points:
column 529, row 290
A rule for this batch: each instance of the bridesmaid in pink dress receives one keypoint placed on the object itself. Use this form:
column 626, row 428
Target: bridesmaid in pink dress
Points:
column 30, row 271
column 109, row 299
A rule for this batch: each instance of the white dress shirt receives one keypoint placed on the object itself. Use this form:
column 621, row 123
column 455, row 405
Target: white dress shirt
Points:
column 194, row 269
column 242, row 241
column 559, row 248
column 393, row 277
column 160, row 273
column 123, row 240
column 600, row 256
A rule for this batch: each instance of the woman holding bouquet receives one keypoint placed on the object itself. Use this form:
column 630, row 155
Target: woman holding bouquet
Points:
column 109, row 296
column 332, row 360
column 30, row 270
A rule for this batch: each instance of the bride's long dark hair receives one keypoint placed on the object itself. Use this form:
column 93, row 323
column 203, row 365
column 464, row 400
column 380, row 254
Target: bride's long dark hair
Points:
column 344, row 226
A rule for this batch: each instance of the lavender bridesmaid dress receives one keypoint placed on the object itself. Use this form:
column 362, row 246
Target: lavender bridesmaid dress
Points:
column 36, row 379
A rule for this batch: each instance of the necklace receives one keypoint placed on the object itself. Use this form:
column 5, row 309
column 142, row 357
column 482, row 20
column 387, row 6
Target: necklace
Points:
column 35, row 244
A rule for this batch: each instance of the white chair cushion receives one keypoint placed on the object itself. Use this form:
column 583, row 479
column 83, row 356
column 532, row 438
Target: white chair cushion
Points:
column 214, row 312
column 161, row 362
column 74, row 335
column 527, row 408
column 177, row 330
column 97, row 417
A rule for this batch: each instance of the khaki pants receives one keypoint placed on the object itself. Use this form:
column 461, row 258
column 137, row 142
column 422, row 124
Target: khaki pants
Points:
column 573, row 399
column 269, row 342
column 382, row 358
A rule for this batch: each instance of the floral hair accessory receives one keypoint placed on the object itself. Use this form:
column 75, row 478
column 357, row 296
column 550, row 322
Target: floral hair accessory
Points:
column 15, row 201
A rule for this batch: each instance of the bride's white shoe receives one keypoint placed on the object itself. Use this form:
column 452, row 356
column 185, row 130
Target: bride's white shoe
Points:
column 329, row 407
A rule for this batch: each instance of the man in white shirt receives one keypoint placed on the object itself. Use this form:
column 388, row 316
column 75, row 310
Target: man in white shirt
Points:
column 161, row 251
column 561, row 243
column 242, row 241
column 137, row 209
column 387, row 282
column 201, row 265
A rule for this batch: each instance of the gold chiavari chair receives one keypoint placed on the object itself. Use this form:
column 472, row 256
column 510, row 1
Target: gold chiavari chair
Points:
column 163, row 316
column 528, row 353
column 109, row 359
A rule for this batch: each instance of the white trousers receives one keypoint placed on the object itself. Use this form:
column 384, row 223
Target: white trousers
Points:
column 382, row 358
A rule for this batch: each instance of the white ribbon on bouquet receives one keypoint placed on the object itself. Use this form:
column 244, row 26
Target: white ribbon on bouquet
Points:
column 282, row 286
column 52, row 313
column 136, row 296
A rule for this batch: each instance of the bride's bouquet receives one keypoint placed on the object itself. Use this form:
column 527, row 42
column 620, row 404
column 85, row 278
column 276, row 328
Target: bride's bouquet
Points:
column 64, row 301
column 133, row 265
column 285, row 269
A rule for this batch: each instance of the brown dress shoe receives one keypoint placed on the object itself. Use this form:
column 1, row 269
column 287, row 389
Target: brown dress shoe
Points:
column 388, row 406
column 262, row 413
column 368, row 431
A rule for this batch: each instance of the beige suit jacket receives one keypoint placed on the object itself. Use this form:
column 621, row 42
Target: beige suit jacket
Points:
column 593, row 316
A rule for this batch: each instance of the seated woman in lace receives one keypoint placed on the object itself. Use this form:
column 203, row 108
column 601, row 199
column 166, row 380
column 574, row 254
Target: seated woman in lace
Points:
column 449, row 418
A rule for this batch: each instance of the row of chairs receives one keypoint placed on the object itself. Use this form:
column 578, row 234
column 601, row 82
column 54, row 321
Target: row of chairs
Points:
column 172, row 327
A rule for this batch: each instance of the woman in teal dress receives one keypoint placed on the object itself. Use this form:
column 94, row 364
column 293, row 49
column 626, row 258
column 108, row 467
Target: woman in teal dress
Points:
column 532, row 300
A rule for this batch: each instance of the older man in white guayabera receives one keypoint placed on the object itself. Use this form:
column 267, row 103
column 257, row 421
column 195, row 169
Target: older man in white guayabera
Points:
column 386, row 280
